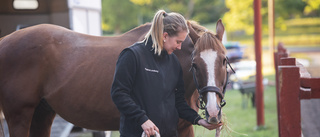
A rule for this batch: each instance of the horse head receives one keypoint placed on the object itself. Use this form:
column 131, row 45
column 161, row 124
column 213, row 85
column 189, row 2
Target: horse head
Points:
column 209, row 68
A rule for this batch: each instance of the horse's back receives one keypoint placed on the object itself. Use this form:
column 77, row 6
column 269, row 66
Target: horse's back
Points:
column 73, row 72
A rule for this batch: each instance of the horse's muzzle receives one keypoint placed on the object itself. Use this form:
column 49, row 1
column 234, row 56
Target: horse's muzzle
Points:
column 213, row 119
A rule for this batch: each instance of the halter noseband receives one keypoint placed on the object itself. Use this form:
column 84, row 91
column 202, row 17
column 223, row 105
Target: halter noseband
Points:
column 215, row 89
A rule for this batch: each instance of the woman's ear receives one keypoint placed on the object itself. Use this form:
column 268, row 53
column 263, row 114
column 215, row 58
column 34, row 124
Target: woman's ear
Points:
column 165, row 36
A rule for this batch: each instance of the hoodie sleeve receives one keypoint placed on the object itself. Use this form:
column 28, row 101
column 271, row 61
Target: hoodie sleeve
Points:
column 184, row 110
column 124, row 77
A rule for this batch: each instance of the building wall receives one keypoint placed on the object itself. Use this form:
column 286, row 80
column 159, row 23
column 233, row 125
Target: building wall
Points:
column 82, row 16
column 9, row 22
column 85, row 16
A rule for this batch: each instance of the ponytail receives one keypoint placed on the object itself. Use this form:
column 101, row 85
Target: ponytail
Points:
column 156, row 32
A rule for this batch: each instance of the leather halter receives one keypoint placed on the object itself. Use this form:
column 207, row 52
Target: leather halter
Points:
column 215, row 89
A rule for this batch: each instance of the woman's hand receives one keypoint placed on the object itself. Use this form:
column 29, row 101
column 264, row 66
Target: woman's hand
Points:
column 207, row 125
column 149, row 128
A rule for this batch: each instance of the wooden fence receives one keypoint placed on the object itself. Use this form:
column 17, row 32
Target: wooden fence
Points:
column 293, row 83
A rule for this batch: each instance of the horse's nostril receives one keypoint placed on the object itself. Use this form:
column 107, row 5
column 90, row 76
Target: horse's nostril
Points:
column 213, row 120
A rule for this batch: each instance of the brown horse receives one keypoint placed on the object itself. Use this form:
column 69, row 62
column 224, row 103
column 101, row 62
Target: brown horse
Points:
column 47, row 70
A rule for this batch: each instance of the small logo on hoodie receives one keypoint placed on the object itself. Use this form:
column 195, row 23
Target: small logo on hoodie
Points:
column 152, row 70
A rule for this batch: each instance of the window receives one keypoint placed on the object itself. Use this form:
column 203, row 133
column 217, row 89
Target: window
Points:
column 25, row 4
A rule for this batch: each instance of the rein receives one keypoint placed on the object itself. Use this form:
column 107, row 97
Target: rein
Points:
column 215, row 89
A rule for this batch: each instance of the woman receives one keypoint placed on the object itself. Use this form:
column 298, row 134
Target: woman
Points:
column 148, row 87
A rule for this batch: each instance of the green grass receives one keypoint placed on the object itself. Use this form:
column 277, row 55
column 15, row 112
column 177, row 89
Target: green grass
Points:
column 243, row 120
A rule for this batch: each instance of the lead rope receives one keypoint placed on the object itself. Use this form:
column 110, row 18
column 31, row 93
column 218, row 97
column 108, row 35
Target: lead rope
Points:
column 145, row 135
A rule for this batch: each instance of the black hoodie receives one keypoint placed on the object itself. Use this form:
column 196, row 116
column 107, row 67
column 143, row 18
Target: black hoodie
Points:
column 149, row 86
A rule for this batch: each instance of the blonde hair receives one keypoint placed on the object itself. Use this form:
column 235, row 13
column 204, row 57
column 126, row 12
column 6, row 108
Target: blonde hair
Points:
column 172, row 23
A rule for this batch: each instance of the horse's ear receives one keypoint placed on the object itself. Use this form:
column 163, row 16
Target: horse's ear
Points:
column 192, row 33
column 220, row 29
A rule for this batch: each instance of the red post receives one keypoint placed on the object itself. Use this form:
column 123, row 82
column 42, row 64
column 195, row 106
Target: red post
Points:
column 294, row 83
column 289, row 102
column 258, row 54
column 288, row 61
column 276, row 63
column 281, row 53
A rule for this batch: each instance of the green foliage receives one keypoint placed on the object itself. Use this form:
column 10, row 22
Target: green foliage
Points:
column 297, row 32
column 289, row 8
column 239, row 16
column 208, row 11
column 141, row 2
column 303, row 22
column 119, row 15
column 177, row 7
column 312, row 6
column 294, row 9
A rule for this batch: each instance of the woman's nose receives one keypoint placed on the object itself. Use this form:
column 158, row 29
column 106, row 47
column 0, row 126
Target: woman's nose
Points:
column 179, row 47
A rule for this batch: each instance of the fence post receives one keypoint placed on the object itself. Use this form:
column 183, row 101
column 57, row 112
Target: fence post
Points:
column 289, row 102
column 281, row 53
column 288, row 61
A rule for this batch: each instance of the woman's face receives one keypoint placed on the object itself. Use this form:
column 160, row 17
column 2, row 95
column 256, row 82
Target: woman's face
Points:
column 173, row 43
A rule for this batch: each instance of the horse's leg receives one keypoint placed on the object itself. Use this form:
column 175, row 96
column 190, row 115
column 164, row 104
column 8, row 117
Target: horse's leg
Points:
column 20, row 97
column 42, row 120
column 19, row 120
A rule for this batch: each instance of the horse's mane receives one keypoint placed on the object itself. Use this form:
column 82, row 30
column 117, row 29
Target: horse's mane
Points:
column 197, row 27
column 207, row 38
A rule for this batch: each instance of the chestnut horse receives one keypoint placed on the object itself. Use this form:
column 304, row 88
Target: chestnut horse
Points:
column 47, row 70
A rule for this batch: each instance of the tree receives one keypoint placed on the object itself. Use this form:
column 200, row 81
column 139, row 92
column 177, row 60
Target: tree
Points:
column 313, row 6
column 119, row 15
column 141, row 2
column 240, row 16
column 208, row 11
column 289, row 8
